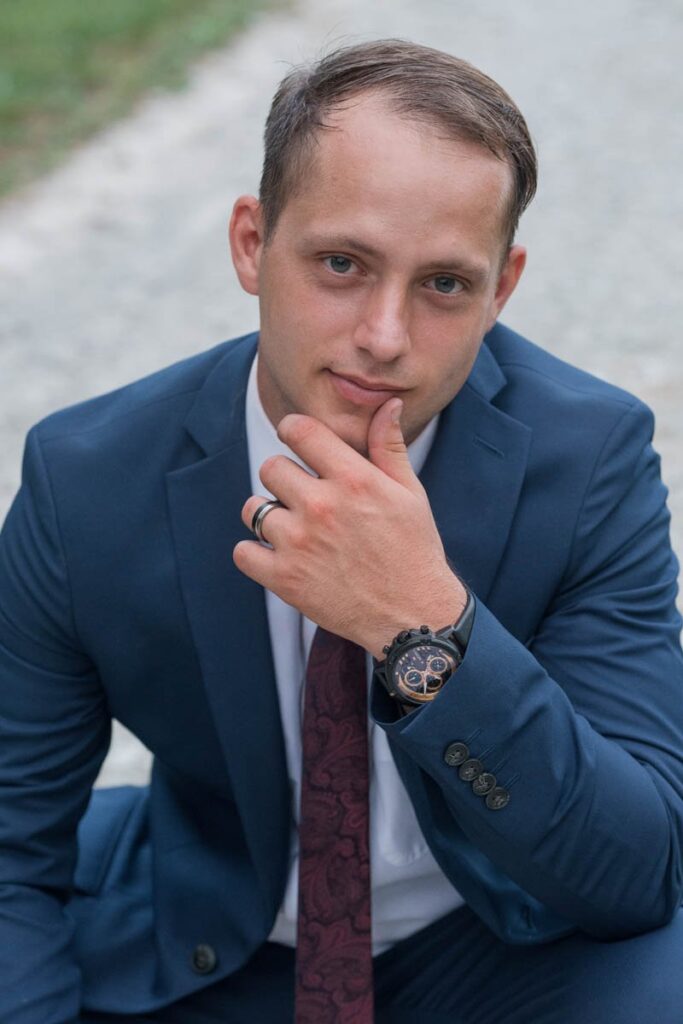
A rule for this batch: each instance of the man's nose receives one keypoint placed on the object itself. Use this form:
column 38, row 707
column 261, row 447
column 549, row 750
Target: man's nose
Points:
column 383, row 327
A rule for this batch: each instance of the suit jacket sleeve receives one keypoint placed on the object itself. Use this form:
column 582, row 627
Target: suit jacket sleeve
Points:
column 583, row 723
column 54, row 733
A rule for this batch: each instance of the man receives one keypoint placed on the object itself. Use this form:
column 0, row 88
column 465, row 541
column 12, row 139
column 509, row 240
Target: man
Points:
column 521, row 859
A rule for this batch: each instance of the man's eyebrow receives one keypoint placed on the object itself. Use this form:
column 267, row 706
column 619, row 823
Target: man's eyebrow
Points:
column 331, row 243
column 337, row 243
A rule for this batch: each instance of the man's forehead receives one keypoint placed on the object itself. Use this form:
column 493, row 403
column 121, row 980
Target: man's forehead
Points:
column 375, row 176
column 373, row 148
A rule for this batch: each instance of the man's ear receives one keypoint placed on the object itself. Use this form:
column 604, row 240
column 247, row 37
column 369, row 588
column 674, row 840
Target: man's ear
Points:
column 511, row 271
column 246, row 241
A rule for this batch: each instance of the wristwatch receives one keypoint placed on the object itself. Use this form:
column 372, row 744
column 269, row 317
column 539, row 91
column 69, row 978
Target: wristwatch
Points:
column 419, row 662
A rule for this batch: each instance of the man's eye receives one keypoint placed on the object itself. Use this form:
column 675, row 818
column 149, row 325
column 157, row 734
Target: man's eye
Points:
column 340, row 264
column 445, row 284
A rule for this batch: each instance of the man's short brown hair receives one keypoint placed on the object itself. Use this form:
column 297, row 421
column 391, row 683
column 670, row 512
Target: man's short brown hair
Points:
column 421, row 84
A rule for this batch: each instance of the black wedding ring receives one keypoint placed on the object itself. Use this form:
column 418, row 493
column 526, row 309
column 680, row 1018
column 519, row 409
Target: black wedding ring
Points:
column 259, row 515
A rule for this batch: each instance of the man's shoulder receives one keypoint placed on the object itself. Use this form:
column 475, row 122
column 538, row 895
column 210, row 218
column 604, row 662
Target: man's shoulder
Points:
column 540, row 388
column 163, row 397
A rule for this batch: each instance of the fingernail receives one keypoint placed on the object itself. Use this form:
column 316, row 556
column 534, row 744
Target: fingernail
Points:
column 396, row 411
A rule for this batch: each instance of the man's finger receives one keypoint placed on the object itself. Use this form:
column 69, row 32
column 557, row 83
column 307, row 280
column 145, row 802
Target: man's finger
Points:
column 286, row 480
column 387, row 448
column 318, row 446
column 255, row 561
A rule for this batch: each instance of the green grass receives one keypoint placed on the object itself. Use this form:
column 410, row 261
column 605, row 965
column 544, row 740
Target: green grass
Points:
column 68, row 67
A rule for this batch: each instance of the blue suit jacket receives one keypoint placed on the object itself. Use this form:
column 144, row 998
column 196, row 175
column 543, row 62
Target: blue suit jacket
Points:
column 119, row 597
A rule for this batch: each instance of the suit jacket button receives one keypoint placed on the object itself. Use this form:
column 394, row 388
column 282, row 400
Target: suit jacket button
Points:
column 456, row 753
column 470, row 769
column 497, row 799
column 204, row 959
column 483, row 783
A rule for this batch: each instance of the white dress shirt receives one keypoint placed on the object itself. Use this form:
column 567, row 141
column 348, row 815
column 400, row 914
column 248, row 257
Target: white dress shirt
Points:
column 409, row 890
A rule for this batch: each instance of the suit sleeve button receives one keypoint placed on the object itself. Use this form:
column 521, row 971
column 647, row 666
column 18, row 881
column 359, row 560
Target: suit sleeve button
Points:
column 456, row 753
column 483, row 783
column 497, row 799
column 470, row 769
column 204, row 959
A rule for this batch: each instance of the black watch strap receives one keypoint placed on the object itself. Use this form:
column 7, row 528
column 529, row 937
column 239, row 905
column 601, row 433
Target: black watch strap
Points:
column 461, row 629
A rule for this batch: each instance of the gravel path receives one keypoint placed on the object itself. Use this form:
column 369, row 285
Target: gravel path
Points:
column 118, row 264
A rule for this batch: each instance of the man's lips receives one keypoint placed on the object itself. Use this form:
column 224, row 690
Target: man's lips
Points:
column 362, row 392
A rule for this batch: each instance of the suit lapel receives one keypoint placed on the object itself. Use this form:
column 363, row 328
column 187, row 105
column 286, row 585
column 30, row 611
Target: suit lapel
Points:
column 227, row 614
column 473, row 476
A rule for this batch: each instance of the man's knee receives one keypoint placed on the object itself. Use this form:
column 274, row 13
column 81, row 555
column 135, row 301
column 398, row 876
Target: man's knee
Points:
column 634, row 980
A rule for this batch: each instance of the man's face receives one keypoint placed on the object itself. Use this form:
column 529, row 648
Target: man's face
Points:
column 382, row 275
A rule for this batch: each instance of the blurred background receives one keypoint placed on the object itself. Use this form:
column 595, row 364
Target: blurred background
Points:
column 127, row 128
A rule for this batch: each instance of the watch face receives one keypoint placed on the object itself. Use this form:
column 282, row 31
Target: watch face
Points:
column 420, row 671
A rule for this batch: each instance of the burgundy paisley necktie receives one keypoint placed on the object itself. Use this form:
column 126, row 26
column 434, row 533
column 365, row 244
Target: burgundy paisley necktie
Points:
column 334, row 951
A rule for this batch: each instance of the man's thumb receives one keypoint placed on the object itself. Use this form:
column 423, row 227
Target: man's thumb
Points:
column 386, row 447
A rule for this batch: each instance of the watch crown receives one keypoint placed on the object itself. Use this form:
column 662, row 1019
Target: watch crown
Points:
column 402, row 636
column 424, row 629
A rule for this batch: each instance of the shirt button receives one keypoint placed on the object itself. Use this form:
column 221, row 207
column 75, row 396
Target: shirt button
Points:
column 204, row 959
column 483, row 783
column 456, row 753
column 497, row 799
column 470, row 769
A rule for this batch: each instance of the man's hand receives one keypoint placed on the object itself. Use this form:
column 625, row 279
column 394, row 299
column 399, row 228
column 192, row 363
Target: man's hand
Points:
column 356, row 550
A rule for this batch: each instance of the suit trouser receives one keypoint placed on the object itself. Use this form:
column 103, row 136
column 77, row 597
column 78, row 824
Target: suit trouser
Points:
column 456, row 972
